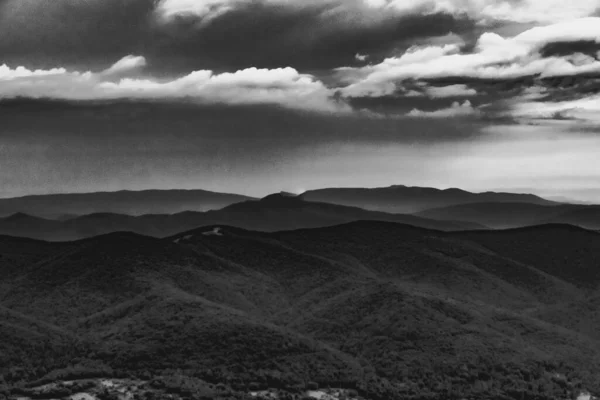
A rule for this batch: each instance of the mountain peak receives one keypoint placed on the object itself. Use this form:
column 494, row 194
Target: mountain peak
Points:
column 281, row 196
column 19, row 216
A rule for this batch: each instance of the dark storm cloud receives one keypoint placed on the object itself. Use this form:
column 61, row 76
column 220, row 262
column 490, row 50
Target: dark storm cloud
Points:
column 560, row 49
column 57, row 33
column 266, row 35
column 258, row 34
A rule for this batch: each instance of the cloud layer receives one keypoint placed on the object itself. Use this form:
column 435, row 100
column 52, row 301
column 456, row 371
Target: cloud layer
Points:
column 522, row 76
column 493, row 57
column 425, row 58
column 485, row 11
column 284, row 86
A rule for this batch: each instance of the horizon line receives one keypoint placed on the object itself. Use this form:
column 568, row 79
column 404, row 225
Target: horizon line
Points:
column 296, row 192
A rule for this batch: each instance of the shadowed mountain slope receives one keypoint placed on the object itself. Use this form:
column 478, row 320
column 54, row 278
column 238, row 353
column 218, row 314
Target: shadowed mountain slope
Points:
column 390, row 309
column 500, row 215
column 567, row 252
column 587, row 217
column 515, row 215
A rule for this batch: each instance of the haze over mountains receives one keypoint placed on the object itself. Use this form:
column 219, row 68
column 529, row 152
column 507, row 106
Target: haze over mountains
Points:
column 389, row 309
column 514, row 215
column 394, row 199
column 407, row 200
column 123, row 202
column 275, row 212
column 163, row 213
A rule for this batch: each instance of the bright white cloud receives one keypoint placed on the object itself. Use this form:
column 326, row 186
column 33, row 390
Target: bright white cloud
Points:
column 485, row 11
column 494, row 57
column 283, row 86
column 586, row 109
column 544, row 11
column 125, row 65
column 206, row 10
column 457, row 109
column 450, row 91
column 7, row 73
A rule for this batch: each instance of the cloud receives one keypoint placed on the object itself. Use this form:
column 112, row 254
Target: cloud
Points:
column 492, row 10
column 458, row 90
column 457, row 109
column 309, row 34
column 524, row 11
column 189, row 49
column 494, row 57
column 283, row 86
column 209, row 9
column 126, row 65
column 586, row 108
column 186, row 35
column 43, row 34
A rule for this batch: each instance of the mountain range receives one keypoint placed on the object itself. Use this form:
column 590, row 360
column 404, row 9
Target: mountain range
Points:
column 272, row 213
column 394, row 199
column 60, row 206
column 390, row 310
column 514, row 215
column 454, row 210
column 408, row 200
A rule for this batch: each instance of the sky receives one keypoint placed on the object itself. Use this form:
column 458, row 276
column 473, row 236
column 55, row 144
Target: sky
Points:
column 259, row 96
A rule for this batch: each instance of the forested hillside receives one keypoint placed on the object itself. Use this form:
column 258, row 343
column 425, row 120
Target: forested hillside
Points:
column 384, row 309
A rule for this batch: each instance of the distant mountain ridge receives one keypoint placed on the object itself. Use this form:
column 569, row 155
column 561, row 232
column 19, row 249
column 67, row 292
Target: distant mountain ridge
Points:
column 515, row 215
column 118, row 211
column 121, row 202
column 408, row 200
column 282, row 211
